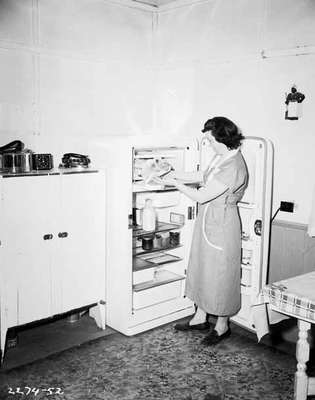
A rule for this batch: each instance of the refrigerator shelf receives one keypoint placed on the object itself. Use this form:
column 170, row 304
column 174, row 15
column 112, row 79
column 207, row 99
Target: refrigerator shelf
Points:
column 247, row 244
column 139, row 250
column 156, row 152
column 247, row 290
column 147, row 156
column 140, row 188
column 153, row 260
column 161, row 227
column 247, row 286
column 139, row 264
column 246, row 237
column 249, row 206
column 146, row 187
column 161, row 278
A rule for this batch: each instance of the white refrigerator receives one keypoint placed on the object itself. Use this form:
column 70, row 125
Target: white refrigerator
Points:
column 146, row 271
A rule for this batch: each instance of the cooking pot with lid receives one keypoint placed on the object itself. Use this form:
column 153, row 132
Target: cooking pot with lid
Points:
column 14, row 158
column 16, row 162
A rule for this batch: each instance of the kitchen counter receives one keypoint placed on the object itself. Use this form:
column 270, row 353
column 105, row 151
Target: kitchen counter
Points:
column 55, row 171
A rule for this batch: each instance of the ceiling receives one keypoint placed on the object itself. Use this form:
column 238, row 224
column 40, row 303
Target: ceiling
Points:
column 155, row 3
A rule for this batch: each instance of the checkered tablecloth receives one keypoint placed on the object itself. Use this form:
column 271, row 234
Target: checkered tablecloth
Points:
column 295, row 296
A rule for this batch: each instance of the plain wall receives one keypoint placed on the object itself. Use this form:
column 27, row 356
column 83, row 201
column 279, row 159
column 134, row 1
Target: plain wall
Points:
column 73, row 70
column 224, row 57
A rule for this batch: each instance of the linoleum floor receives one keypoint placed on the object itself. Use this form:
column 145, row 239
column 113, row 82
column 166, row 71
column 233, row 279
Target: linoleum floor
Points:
column 80, row 361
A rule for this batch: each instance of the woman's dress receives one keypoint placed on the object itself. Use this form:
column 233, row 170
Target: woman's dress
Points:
column 213, row 274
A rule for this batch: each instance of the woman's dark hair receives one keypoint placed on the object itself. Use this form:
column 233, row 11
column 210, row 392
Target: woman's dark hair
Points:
column 224, row 131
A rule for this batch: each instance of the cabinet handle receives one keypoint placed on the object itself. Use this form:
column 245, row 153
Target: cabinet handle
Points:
column 62, row 234
column 48, row 236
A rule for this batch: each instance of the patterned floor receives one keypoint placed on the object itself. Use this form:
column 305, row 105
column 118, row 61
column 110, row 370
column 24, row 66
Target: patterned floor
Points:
column 161, row 364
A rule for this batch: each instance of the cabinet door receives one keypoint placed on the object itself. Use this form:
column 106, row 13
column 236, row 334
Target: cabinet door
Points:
column 80, row 261
column 27, row 206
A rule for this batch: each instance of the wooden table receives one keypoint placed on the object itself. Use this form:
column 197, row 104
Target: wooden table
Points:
column 295, row 297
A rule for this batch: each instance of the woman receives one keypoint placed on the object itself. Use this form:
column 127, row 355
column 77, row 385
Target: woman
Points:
column 213, row 276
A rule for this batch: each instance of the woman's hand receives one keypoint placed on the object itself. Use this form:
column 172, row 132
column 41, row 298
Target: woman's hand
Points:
column 168, row 174
column 169, row 181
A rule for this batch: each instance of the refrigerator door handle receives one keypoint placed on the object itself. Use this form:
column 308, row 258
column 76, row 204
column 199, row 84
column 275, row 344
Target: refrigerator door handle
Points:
column 191, row 212
column 130, row 221
column 258, row 227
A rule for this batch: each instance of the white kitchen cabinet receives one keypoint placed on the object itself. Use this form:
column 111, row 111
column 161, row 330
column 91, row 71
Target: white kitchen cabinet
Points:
column 52, row 234
column 27, row 204
column 81, row 241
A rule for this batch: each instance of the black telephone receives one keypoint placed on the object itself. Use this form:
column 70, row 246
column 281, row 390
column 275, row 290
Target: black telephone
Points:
column 72, row 160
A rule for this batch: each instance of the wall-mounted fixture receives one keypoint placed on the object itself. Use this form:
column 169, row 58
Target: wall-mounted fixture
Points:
column 293, row 103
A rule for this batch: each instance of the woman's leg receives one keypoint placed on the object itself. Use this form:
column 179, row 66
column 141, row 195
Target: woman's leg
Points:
column 199, row 318
column 198, row 322
column 222, row 325
column 220, row 332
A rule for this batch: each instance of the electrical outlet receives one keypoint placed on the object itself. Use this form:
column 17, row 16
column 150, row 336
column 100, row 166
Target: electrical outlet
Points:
column 287, row 206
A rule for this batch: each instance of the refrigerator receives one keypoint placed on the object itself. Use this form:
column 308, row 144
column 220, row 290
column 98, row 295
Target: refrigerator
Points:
column 146, row 270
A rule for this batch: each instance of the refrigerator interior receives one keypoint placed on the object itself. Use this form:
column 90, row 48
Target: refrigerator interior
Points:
column 159, row 256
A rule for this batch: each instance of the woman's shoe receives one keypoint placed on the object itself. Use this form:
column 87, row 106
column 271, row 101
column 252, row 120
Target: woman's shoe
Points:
column 184, row 326
column 214, row 338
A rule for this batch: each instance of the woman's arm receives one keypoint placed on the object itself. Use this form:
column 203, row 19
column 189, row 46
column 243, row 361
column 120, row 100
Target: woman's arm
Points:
column 202, row 195
column 188, row 177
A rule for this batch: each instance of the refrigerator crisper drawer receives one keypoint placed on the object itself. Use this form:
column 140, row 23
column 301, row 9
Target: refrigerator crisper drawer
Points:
column 158, row 294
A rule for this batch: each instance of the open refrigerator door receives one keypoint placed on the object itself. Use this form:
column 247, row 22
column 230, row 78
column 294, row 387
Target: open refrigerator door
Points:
column 255, row 214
